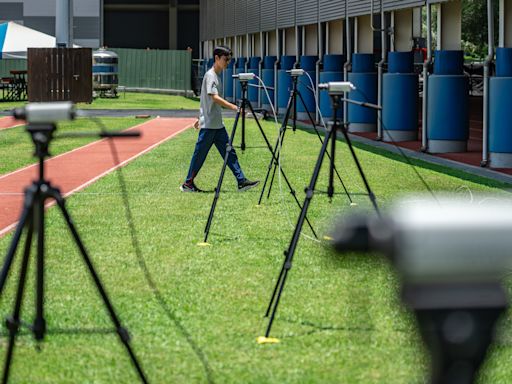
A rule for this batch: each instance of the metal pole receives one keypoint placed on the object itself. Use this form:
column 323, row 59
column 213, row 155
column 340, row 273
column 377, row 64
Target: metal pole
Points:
column 276, row 66
column 317, row 67
column 64, row 23
column 487, row 74
column 426, row 65
column 380, row 68
column 348, row 62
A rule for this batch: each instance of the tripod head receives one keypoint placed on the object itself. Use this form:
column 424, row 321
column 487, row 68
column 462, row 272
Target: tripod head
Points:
column 337, row 87
column 296, row 72
column 42, row 119
column 244, row 77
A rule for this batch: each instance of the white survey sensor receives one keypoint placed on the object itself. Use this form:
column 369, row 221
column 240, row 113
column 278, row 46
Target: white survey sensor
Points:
column 338, row 87
column 45, row 113
column 245, row 76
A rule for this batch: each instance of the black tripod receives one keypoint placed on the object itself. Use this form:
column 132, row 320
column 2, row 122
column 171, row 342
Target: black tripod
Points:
column 244, row 103
column 32, row 218
column 292, row 105
column 290, row 252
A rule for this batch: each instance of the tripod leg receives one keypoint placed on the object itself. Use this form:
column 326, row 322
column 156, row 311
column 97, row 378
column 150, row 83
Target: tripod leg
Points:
column 360, row 169
column 269, row 146
column 25, row 214
column 277, row 150
column 13, row 322
column 276, row 164
column 39, row 322
column 272, row 162
column 287, row 264
column 278, row 284
column 221, row 178
column 124, row 336
column 327, row 153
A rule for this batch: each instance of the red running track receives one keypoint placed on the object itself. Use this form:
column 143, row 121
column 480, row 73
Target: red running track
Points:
column 75, row 170
column 9, row 122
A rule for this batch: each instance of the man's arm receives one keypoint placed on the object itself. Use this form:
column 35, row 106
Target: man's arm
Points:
column 223, row 103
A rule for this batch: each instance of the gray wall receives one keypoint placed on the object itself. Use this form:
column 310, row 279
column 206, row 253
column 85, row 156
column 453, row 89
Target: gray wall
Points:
column 40, row 15
column 225, row 18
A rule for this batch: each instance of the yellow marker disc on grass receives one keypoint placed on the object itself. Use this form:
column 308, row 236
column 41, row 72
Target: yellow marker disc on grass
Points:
column 328, row 238
column 267, row 340
column 203, row 244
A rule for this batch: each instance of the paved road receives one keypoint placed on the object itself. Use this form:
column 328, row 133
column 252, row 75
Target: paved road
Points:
column 183, row 113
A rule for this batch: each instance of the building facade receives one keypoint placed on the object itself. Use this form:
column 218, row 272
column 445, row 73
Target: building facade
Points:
column 155, row 24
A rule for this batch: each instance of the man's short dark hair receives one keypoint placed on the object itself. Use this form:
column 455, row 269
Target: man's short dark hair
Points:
column 222, row 50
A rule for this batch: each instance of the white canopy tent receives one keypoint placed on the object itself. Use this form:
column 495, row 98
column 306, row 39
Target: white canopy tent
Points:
column 15, row 39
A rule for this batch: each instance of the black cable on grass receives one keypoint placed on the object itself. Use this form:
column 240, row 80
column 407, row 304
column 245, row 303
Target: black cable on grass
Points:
column 142, row 263
column 402, row 153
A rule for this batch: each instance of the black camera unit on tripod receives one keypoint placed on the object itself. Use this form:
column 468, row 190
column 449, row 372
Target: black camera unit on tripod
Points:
column 42, row 119
column 451, row 256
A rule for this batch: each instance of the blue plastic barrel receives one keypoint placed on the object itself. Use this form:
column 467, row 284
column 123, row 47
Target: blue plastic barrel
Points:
column 267, row 76
column 254, row 62
column 333, row 63
column 363, row 119
column 500, row 93
column 400, row 107
column 325, row 100
column 332, row 71
column 400, row 98
column 363, row 63
column 228, row 81
column 364, row 77
column 308, row 63
column 500, row 134
column 400, row 62
column 448, row 104
column 448, row 113
column 504, row 62
column 253, row 67
column 449, row 63
column 239, row 68
column 284, row 82
column 268, row 62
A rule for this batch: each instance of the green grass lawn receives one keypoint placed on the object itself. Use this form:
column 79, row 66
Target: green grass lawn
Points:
column 16, row 147
column 340, row 318
column 131, row 100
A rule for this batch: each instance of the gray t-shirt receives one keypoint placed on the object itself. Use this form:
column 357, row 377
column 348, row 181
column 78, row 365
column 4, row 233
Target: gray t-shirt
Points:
column 210, row 113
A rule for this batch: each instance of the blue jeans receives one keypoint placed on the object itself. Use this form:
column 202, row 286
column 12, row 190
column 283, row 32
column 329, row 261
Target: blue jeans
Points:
column 208, row 137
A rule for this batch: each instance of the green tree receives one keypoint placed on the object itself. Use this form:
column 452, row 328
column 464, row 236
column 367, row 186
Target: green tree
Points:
column 474, row 26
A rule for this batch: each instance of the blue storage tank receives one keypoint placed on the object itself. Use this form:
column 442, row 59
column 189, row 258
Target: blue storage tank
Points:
column 364, row 77
column 400, row 99
column 332, row 71
column 500, row 94
column 268, row 78
column 228, row 81
column 239, row 68
column 307, row 63
column 253, row 67
column 448, row 104
column 284, row 83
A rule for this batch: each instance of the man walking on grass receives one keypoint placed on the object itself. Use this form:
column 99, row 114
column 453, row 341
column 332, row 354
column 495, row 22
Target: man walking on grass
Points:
column 212, row 130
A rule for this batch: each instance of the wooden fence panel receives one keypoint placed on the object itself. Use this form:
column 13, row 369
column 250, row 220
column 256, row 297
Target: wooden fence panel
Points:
column 60, row 74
